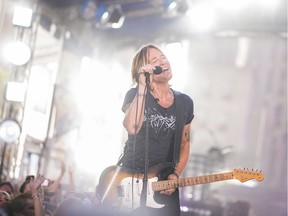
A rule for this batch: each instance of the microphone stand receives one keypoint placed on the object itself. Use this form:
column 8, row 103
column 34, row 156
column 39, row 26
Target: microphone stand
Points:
column 143, row 198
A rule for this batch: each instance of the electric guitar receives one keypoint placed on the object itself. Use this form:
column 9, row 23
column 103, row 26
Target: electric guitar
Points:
column 119, row 189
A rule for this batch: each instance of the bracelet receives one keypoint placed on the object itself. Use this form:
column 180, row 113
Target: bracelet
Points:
column 36, row 196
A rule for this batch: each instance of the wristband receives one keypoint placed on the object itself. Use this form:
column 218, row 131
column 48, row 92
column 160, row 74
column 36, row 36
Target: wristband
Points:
column 35, row 196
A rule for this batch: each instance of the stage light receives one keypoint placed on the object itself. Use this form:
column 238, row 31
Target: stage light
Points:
column 175, row 7
column 9, row 131
column 18, row 53
column 22, row 16
column 15, row 91
column 110, row 16
column 102, row 13
column 170, row 5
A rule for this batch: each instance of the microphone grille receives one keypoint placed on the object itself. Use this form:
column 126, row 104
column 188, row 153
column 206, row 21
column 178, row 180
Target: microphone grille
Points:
column 158, row 70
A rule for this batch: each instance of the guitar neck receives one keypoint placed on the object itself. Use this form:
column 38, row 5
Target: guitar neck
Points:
column 182, row 182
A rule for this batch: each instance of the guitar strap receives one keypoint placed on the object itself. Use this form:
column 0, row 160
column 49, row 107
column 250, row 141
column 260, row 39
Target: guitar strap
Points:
column 180, row 121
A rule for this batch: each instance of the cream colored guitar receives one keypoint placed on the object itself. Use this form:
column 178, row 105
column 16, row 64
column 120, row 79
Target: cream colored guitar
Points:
column 120, row 190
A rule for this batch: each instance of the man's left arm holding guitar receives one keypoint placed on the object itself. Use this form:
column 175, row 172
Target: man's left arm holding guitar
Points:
column 183, row 157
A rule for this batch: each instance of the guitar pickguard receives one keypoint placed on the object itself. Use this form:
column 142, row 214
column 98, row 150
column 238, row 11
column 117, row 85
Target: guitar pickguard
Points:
column 130, row 194
column 119, row 189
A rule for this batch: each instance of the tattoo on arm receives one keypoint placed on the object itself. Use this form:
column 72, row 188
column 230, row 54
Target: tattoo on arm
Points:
column 187, row 135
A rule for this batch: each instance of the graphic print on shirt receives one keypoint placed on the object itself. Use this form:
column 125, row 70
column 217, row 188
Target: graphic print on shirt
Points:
column 161, row 124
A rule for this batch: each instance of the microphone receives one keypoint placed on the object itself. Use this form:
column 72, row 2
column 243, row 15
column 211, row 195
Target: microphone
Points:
column 157, row 70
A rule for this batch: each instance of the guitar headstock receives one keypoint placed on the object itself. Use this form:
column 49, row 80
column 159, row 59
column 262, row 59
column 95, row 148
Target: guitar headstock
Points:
column 245, row 175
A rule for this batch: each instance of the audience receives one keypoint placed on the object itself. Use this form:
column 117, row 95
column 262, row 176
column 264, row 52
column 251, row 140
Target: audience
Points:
column 53, row 191
column 4, row 197
column 73, row 206
column 27, row 203
column 37, row 199
column 6, row 192
column 7, row 187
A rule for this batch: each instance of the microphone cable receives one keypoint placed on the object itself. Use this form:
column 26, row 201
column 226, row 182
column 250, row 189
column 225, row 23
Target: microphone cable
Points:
column 135, row 137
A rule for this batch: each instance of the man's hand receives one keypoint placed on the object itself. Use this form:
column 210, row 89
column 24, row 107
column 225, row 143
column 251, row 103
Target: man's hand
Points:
column 170, row 191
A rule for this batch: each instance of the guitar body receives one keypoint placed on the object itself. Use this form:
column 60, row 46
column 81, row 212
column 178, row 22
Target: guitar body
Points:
column 120, row 188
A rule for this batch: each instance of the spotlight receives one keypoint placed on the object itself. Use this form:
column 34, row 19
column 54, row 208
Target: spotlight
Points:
column 175, row 7
column 15, row 91
column 110, row 16
column 9, row 131
column 102, row 13
column 22, row 17
column 170, row 5
column 21, row 56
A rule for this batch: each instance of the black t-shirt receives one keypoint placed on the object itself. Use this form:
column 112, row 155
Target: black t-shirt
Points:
column 161, row 123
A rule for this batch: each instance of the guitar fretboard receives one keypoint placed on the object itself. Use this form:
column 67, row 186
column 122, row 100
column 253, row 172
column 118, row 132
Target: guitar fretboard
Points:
column 182, row 182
